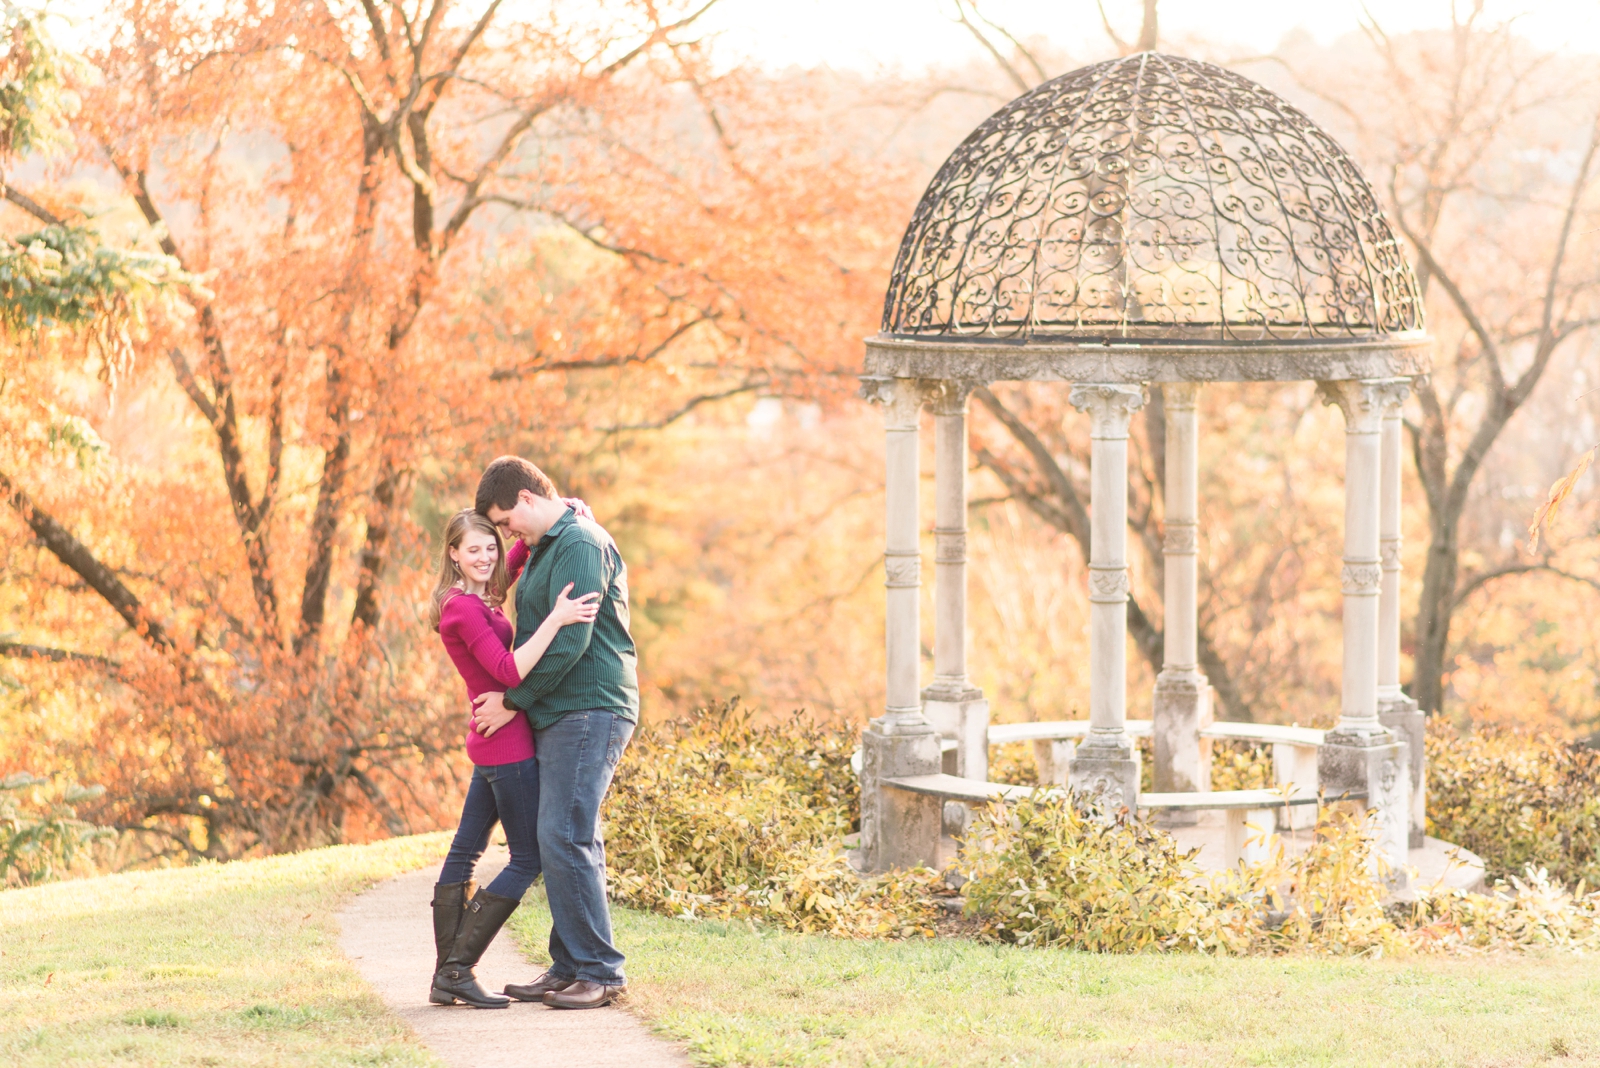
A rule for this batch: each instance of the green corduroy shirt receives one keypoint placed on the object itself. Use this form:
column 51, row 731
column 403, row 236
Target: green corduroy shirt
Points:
column 588, row 665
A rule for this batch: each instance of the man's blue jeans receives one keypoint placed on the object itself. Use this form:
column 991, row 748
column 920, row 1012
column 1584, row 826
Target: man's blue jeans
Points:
column 507, row 794
column 577, row 755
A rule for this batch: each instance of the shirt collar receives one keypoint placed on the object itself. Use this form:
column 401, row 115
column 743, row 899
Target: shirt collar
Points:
column 568, row 517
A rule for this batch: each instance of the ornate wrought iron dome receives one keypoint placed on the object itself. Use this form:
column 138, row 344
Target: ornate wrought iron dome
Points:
column 1151, row 200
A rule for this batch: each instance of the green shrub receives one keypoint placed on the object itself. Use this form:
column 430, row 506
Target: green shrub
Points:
column 723, row 817
column 1520, row 801
column 40, row 832
column 1241, row 766
column 1051, row 871
column 1014, row 764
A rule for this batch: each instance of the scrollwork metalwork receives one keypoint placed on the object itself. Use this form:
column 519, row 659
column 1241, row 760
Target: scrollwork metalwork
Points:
column 1150, row 198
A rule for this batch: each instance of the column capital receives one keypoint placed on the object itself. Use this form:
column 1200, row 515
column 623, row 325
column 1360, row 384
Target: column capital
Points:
column 1110, row 406
column 901, row 399
column 1361, row 400
column 1392, row 393
column 948, row 396
column 1180, row 396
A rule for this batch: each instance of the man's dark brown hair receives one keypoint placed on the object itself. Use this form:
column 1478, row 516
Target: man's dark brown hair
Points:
column 506, row 477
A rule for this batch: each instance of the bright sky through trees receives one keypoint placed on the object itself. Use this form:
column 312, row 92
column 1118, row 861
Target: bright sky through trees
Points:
column 911, row 33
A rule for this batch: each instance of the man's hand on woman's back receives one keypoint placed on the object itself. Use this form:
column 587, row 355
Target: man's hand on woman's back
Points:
column 489, row 713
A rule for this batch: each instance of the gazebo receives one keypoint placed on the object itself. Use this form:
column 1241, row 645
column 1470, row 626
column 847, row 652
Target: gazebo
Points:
column 1146, row 222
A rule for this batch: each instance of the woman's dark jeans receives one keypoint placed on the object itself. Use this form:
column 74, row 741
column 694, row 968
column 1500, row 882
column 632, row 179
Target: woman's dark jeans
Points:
column 507, row 794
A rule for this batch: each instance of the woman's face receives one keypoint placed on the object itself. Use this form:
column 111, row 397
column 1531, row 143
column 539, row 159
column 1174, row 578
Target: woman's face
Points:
column 476, row 555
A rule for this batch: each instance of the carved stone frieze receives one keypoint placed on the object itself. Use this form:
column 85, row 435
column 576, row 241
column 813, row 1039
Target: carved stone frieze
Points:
column 1109, row 405
column 1389, row 549
column 949, row 546
column 1108, row 586
column 1404, row 355
column 1359, row 578
column 1181, row 538
column 902, row 569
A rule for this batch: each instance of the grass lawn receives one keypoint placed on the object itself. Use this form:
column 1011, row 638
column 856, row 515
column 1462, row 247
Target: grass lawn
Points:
column 234, row 964
column 740, row 997
column 239, row 965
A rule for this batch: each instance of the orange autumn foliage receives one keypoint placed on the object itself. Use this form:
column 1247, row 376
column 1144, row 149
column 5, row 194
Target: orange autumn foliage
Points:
column 580, row 235
column 419, row 241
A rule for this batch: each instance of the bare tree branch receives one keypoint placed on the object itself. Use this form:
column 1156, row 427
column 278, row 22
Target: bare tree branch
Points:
column 77, row 556
column 1479, row 581
column 33, row 207
column 691, row 405
column 506, row 373
column 57, row 656
column 999, row 58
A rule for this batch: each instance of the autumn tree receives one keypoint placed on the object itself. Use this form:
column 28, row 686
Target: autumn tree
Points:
column 1488, row 145
column 416, row 239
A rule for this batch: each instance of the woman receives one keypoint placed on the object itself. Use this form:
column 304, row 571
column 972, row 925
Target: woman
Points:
column 473, row 579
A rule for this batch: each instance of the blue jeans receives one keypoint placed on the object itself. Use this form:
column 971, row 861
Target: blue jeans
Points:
column 507, row 794
column 577, row 755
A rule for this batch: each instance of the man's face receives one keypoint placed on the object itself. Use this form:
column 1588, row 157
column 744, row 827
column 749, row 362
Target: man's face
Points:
column 526, row 519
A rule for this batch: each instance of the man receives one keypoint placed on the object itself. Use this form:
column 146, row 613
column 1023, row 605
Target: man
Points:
column 582, row 699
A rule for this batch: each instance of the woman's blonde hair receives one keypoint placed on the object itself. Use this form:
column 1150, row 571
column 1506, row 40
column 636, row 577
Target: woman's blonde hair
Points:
column 450, row 574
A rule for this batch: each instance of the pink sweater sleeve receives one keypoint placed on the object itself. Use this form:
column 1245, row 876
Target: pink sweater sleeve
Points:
column 468, row 618
column 516, row 557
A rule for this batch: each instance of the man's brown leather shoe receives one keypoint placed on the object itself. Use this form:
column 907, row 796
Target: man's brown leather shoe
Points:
column 536, row 990
column 583, row 994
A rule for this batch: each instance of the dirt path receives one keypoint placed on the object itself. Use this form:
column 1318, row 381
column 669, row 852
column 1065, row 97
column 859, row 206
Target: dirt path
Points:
column 387, row 933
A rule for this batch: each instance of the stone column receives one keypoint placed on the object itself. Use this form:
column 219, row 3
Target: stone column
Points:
column 894, row 830
column 1361, row 755
column 952, row 704
column 1183, row 695
column 1395, row 710
column 1106, row 764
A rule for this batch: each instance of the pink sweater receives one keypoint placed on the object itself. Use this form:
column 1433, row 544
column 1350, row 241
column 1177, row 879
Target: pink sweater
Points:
column 478, row 639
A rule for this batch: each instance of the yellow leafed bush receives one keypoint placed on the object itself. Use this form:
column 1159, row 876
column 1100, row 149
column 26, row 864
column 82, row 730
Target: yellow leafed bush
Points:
column 1518, row 800
column 1529, row 912
column 1051, row 871
column 1240, row 766
column 722, row 817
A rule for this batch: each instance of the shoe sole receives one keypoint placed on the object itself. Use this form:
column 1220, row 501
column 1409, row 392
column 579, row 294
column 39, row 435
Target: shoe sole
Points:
column 535, row 999
column 576, row 1008
column 438, row 997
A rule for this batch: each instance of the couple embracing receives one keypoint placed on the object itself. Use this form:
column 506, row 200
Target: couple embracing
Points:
column 552, row 712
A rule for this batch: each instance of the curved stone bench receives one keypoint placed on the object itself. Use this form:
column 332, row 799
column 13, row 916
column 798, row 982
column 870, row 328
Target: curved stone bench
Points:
column 1251, row 815
column 1294, row 750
